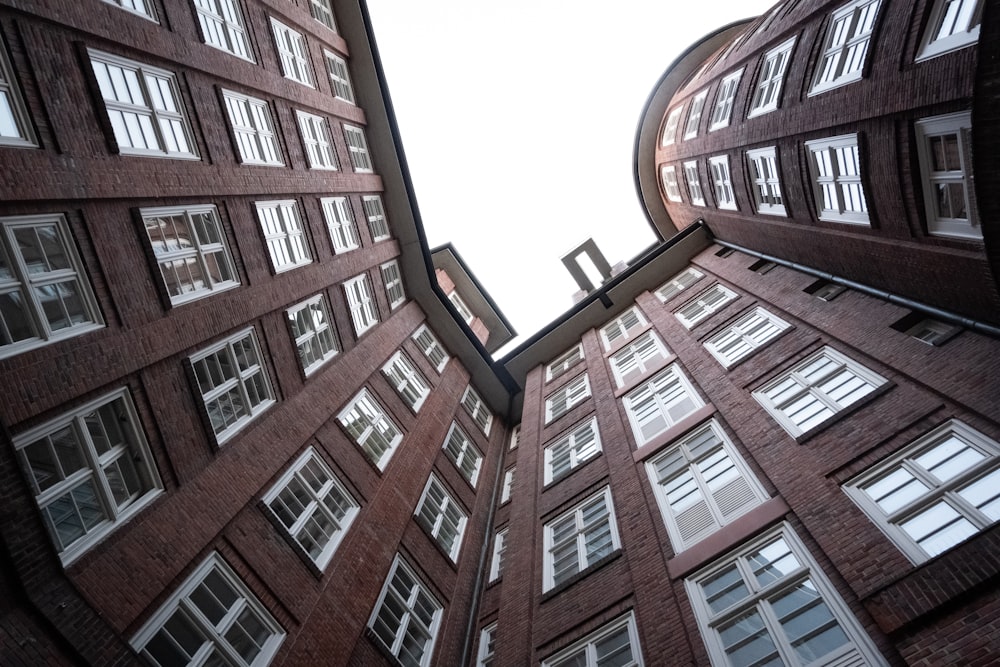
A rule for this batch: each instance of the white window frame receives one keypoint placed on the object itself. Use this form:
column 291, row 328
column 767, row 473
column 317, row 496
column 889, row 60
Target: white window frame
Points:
column 160, row 123
column 937, row 492
column 565, row 361
column 766, row 177
column 96, row 469
column 340, row 77
column 223, row 27
column 709, row 301
column 293, row 54
column 835, row 169
column 693, row 178
column 143, row 8
column 508, row 484
column 442, row 517
column 701, row 484
column 248, row 380
column 486, row 653
column 577, row 540
column 722, row 113
column 931, row 332
column 963, row 31
column 476, row 408
column 323, row 12
column 669, row 134
column 567, row 397
column 33, row 288
column 499, row 551
column 637, row 357
column 722, row 180
column 570, row 451
column 694, row 115
column 378, row 225
column 18, row 116
column 253, row 129
column 792, row 569
column 959, row 126
column 406, row 380
column 204, row 250
column 623, row 327
column 431, row 347
column 340, row 222
column 462, row 452
column 413, row 599
column 463, row 310
column 767, row 92
column 361, row 302
column 316, row 508
column 665, row 399
column 789, row 389
column 392, row 280
column 357, row 146
column 744, row 336
column 284, row 234
column 515, row 437
column 671, row 188
column 589, row 648
column 678, row 283
column 845, row 46
column 315, row 131
column 183, row 605
column 364, row 419
column 313, row 332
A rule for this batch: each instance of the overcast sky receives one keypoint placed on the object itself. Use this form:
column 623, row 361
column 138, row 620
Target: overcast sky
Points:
column 518, row 120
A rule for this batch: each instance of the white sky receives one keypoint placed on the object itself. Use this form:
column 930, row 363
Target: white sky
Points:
column 518, row 119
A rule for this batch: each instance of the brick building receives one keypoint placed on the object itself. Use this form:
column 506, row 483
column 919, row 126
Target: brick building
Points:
column 250, row 418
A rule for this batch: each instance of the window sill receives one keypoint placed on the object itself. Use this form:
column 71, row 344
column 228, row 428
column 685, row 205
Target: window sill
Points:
column 582, row 574
column 834, row 418
column 672, row 433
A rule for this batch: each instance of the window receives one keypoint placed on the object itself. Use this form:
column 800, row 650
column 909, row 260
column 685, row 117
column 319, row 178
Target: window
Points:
column 772, row 74
column 499, row 549
column 313, row 506
column 762, row 266
column 292, row 53
column 191, row 251
column 406, row 380
column 935, row 493
column 578, row 538
column 320, row 151
column 824, row 290
column 431, row 348
column 660, row 403
column 637, row 358
column 375, row 214
column 572, row 450
column 679, row 283
column 694, row 115
column 407, row 616
column 846, row 45
column 477, row 409
column 770, row 604
column 441, row 517
column 44, row 293
column 253, row 129
column 340, row 222
column 566, row 398
column 15, row 124
column 357, row 145
column 508, row 484
column 515, row 437
column 694, row 183
column 617, row 643
column 725, row 197
column 702, row 484
column 670, row 127
column 144, row 107
column 323, row 13
column 487, row 647
column 766, row 181
column 361, row 301
column 212, row 618
column 739, row 339
column 836, row 169
column 463, row 310
column 724, row 101
column 313, row 332
column 371, row 428
column 460, row 451
column 564, row 362
column 668, row 174
column 140, row 7
column 815, row 390
column 222, row 26
column 284, row 234
column 926, row 329
column 233, row 383
column 340, row 78
column 393, row 281
column 954, row 24
column 90, row 470
column 944, row 147
column 703, row 305
column 623, row 327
